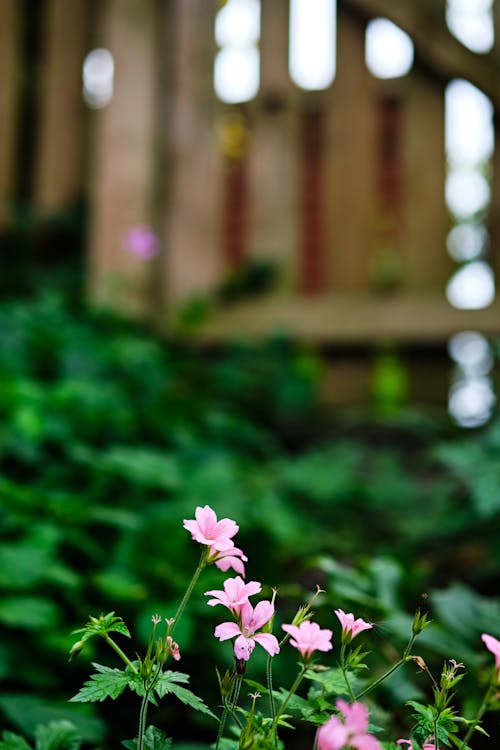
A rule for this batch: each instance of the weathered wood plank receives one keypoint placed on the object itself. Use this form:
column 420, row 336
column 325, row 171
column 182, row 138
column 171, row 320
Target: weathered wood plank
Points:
column 58, row 174
column 10, row 76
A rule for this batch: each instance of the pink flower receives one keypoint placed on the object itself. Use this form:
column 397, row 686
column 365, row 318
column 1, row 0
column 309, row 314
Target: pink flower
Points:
column 425, row 746
column 173, row 647
column 207, row 530
column 230, row 558
column 351, row 732
column 235, row 594
column 140, row 241
column 308, row 637
column 251, row 620
column 493, row 645
column 351, row 627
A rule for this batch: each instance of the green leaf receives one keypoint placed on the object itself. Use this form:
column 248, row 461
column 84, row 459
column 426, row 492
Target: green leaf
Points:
column 58, row 735
column 332, row 680
column 99, row 626
column 169, row 683
column 11, row 741
column 154, row 739
column 28, row 613
column 108, row 683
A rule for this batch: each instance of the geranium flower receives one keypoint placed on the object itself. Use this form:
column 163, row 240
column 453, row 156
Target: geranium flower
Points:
column 235, row 594
column 308, row 637
column 230, row 558
column 351, row 627
column 493, row 645
column 207, row 530
column 141, row 241
column 425, row 746
column 251, row 620
column 336, row 734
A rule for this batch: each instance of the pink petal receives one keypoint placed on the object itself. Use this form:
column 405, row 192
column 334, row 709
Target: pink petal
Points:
column 356, row 716
column 268, row 641
column 230, row 561
column 243, row 647
column 332, row 735
column 365, row 742
column 292, row 630
column 261, row 615
column 207, row 519
column 226, row 630
column 226, row 528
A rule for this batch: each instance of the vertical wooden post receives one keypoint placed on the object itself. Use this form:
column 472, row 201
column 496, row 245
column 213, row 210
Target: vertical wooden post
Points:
column 350, row 163
column 426, row 263
column 59, row 153
column 123, row 160
column 10, row 80
column 274, row 154
column 192, row 262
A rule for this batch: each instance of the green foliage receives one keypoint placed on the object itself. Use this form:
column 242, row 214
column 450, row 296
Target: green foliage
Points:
column 109, row 437
column 58, row 735
column 154, row 739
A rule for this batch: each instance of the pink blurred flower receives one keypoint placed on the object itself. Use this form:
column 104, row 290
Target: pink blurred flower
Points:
column 351, row 627
column 173, row 647
column 336, row 734
column 251, row 620
column 425, row 746
column 230, row 558
column 141, row 241
column 207, row 530
column 235, row 594
column 308, row 637
column 493, row 645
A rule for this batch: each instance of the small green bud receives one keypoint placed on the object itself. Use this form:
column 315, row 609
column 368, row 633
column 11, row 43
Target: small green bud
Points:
column 420, row 622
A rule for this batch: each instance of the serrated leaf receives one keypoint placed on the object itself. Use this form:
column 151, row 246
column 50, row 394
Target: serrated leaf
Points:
column 11, row 741
column 101, row 625
column 169, row 683
column 332, row 680
column 107, row 683
column 58, row 735
column 154, row 739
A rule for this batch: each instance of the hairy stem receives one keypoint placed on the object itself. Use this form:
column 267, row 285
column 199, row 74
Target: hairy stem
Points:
column 120, row 653
column 379, row 680
column 291, row 692
column 189, row 591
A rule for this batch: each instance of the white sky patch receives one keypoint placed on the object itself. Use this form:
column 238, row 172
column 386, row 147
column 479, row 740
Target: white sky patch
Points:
column 237, row 63
column 313, row 48
column 98, row 77
column 471, row 22
column 389, row 50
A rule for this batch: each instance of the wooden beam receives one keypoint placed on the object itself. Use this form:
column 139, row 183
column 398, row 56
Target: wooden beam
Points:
column 435, row 47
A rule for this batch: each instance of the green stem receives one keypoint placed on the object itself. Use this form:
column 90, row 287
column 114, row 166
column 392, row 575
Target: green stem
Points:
column 390, row 671
column 269, row 676
column 229, row 709
column 142, row 720
column 189, row 591
column 482, row 710
column 343, row 669
column 378, row 681
column 120, row 653
column 291, row 692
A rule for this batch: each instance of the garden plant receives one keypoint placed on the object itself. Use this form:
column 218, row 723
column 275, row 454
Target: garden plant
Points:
column 333, row 702
column 109, row 439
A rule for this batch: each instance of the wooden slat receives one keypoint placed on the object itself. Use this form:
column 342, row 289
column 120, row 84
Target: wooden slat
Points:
column 193, row 199
column 10, row 77
column 58, row 175
column 123, row 160
column 436, row 48
column 350, row 319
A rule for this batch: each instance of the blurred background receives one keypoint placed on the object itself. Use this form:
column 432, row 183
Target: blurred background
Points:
column 248, row 258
